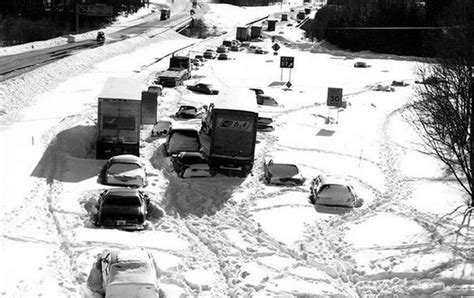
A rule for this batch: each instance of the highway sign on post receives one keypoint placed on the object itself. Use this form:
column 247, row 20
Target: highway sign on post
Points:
column 334, row 97
column 287, row 62
column 275, row 47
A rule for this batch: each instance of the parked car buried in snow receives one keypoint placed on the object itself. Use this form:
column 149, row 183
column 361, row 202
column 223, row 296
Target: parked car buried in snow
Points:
column 204, row 88
column 123, row 208
column 186, row 111
column 124, row 274
column 182, row 138
column 223, row 56
column 360, row 64
column 209, row 54
column 333, row 191
column 281, row 172
column 124, row 170
column 385, row 88
column 161, row 128
column 191, row 164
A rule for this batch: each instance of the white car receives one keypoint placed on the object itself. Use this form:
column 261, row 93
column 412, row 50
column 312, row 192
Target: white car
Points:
column 124, row 170
column 191, row 165
column 280, row 172
column 333, row 191
column 124, row 274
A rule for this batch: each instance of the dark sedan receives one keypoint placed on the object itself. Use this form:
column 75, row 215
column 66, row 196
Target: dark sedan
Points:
column 123, row 208
column 186, row 112
column 204, row 88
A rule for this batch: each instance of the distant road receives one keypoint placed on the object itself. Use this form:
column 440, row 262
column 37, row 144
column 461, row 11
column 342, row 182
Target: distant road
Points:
column 14, row 65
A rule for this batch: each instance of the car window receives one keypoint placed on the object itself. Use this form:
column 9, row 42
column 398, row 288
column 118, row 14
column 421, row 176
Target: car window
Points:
column 117, row 168
column 184, row 141
column 121, row 201
column 270, row 101
column 283, row 170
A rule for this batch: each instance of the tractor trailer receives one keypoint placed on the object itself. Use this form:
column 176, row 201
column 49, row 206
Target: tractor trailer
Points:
column 231, row 122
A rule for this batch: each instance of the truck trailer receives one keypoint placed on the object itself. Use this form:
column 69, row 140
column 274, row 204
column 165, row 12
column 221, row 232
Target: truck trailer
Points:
column 231, row 121
column 119, row 118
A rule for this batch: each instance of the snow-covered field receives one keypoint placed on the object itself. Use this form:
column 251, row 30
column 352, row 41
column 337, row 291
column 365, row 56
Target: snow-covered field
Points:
column 228, row 236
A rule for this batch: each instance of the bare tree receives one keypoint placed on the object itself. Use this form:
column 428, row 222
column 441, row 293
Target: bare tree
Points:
column 443, row 109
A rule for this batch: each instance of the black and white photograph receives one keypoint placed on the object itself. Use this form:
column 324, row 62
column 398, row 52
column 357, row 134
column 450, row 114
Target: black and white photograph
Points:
column 236, row 148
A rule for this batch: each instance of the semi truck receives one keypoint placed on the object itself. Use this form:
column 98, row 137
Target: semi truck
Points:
column 231, row 122
column 119, row 118
column 178, row 71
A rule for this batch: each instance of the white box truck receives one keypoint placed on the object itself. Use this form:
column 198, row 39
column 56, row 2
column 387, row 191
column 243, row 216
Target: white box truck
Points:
column 119, row 118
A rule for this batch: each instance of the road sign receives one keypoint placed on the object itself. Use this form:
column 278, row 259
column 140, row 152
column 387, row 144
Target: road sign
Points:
column 276, row 47
column 334, row 97
column 287, row 62
column 289, row 84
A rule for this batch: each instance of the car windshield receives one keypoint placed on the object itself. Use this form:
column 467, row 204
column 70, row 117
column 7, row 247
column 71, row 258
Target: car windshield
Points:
column 188, row 109
column 283, row 170
column 335, row 190
column 118, row 168
column 184, row 141
column 122, row 201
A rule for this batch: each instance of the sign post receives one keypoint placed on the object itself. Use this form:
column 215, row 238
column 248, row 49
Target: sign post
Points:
column 334, row 100
column 287, row 62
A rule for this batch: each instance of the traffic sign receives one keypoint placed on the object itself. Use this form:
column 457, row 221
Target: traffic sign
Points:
column 287, row 62
column 276, row 47
column 334, row 97
column 289, row 84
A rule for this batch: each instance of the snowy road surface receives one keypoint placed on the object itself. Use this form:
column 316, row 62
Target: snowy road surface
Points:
column 228, row 236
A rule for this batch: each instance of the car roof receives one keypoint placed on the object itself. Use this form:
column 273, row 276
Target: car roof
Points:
column 126, row 158
column 332, row 179
column 183, row 126
column 123, row 192
column 132, row 266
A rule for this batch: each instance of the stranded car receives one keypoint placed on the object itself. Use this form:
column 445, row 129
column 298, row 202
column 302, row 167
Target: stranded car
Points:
column 186, row 111
column 124, row 170
column 124, row 274
column 223, row 56
column 385, row 88
column 264, row 122
column 360, row 64
column 222, row 49
column 182, row 138
column 203, row 88
column 209, row 54
column 281, row 172
column 235, row 48
column 161, row 128
column 191, row 164
column 123, row 208
column 333, row 191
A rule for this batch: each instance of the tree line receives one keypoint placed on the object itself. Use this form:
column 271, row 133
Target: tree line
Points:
column 23, row 21
column 403, row 27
